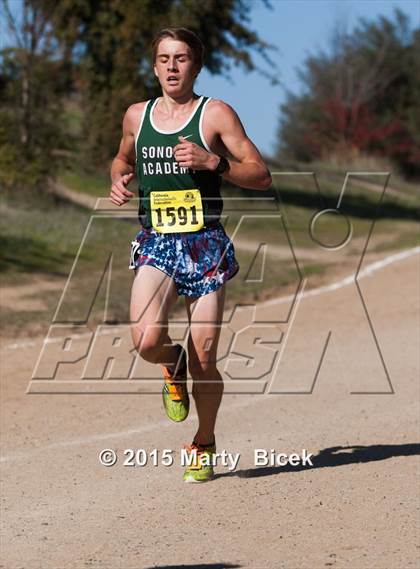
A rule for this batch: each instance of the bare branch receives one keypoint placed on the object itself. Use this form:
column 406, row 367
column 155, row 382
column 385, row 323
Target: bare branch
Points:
column 11, row 23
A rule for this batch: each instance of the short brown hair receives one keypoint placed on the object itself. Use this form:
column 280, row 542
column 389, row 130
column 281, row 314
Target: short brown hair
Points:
column 181, row 34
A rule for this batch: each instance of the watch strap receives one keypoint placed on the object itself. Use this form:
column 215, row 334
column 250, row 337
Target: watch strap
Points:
column 222, row 166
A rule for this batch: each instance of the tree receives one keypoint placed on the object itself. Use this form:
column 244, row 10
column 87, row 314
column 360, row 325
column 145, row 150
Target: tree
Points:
column 360, row 96
column 96, row 54
column 31, row 86
column 110, row 42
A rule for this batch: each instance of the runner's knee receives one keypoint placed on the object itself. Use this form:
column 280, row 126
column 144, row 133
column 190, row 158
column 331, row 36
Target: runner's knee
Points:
column 150, row 343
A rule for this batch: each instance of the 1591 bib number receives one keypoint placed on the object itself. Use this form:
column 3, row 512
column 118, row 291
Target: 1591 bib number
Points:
column 176, row 211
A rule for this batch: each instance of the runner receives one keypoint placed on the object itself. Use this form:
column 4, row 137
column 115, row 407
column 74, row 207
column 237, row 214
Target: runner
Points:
column 177, row 145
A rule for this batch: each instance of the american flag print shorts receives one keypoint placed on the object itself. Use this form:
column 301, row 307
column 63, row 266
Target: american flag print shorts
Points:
column 199, row 262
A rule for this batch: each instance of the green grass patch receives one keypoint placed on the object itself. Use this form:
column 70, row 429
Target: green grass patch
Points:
column 331, row 174
column 40, row 234
column 27, row 254
column 44, row 236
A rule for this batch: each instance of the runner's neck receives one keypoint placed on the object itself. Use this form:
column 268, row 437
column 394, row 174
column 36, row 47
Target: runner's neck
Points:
column 163, row 121
column 174, row 108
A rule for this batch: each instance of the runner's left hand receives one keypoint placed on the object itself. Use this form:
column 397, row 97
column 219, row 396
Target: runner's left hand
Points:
column 190, row 155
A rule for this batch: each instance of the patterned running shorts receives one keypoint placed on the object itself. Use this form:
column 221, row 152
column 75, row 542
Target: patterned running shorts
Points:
column 198, row 262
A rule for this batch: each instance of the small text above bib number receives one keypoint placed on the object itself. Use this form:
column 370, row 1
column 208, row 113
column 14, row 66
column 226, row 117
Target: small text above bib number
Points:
column 176, row 211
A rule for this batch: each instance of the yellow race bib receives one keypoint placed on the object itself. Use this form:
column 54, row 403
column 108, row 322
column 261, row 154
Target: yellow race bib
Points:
column 176, row 211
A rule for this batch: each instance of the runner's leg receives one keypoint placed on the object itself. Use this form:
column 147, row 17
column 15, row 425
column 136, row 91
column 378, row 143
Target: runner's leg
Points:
column 205, row 315
column 152, row 297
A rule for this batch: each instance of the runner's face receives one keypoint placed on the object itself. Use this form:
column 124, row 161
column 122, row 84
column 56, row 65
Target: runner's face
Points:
column 175, row 67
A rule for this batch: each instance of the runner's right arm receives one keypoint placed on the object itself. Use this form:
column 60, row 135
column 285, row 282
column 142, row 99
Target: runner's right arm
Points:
column 122, row 168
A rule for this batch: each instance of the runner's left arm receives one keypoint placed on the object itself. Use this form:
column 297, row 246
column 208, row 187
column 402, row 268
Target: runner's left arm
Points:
column 246, row 166
column 247, row 169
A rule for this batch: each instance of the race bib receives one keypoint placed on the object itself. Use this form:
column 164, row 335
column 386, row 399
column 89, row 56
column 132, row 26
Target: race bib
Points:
column 176, row 211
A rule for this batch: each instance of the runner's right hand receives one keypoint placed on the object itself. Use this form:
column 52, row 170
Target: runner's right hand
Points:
column 119, row 194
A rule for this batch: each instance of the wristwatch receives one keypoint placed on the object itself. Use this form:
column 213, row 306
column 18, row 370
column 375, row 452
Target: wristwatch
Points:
column 222, row 166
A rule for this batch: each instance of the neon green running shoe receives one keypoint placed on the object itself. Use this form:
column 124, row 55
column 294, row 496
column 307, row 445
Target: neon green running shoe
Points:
column 201, row 467
column 176, row 400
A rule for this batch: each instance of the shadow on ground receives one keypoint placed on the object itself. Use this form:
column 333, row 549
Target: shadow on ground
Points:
column 197, row 566
column 363, row 205
column 334, row 456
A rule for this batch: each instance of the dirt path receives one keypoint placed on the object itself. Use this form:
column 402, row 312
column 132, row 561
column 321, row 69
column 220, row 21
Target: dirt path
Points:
column 31, row 294
column 355, row 508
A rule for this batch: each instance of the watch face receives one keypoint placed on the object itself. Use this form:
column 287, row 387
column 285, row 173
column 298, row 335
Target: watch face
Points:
column 222, row 166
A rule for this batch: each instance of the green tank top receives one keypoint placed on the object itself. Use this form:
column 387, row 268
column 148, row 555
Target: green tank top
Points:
column 157, row 169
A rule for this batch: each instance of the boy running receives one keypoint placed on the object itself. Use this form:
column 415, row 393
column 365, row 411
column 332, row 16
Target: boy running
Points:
column 177, row 145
